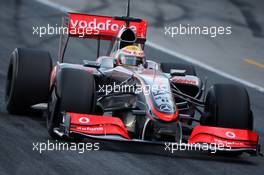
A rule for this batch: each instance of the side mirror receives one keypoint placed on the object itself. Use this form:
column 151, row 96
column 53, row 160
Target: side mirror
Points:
column 151, row 65
column 177, row 72
column 106, row 62
column 93, row 64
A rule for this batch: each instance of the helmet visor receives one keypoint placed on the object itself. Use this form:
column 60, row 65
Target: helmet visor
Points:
column 131, row 60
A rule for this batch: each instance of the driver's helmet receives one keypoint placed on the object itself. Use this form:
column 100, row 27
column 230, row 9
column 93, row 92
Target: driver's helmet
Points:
column 130, row 56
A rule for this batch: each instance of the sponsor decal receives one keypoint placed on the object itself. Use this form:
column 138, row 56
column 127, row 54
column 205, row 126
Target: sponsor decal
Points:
column 185, row 81
column 228, row 143
column 84, row 120
column 107, row 25
column 230, row 134
column 91, row 25
column 90, row 128
column 165, row 108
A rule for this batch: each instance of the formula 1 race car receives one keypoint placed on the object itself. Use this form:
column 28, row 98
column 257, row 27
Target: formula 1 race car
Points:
column 124, row 96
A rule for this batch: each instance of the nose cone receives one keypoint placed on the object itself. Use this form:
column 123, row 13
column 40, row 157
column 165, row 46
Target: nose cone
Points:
column 160, row 98
column 163, row 105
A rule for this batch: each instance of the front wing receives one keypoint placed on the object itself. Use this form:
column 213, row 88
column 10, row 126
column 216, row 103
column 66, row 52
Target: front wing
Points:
column 112, row 128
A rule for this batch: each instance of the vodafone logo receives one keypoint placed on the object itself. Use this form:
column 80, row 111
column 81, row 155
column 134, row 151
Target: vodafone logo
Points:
column 107, row 25
column 84, row 120
column 230, row 134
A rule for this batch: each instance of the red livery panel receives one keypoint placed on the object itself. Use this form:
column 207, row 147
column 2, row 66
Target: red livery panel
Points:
column 101, row 27
column 97, row 125
column 232, row 138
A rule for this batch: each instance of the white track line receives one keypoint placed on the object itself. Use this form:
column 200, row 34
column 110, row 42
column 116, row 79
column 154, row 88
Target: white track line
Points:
column 205, row 66
column 55, row 5
column 170, row 52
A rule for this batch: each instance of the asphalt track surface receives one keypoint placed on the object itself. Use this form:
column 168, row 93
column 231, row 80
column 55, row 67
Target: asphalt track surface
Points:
column 19, row 132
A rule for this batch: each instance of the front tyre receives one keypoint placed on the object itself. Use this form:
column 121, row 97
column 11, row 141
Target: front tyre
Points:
column 228, row 106
column 74, row 91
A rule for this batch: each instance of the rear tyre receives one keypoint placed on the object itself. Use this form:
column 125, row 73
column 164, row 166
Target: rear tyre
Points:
column 166, row 67
column 74, row 92
column 27, row 80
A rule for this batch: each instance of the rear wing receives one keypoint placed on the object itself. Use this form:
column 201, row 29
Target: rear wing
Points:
column 99, row 27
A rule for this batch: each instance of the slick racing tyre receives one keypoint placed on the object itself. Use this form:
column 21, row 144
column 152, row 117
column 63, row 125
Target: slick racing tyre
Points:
column 74, row 92
column 27, row 80
column 228, row 106
column 166, row 67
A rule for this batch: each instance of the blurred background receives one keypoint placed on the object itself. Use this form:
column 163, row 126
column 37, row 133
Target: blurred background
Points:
column 239, row 54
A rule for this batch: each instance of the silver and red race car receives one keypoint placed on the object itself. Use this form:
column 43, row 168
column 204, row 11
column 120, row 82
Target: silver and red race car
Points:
column 124, row 96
